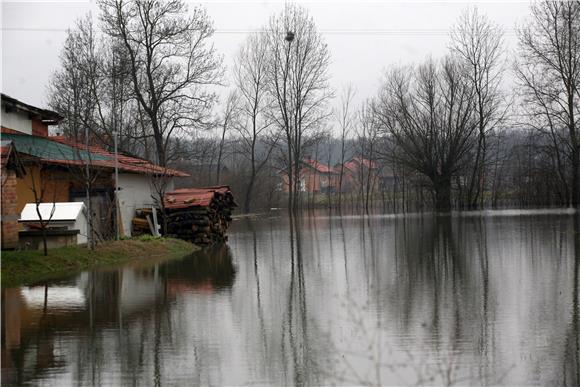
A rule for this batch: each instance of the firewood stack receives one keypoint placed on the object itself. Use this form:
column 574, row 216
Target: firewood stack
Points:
column 140, row 224
column 199, row 215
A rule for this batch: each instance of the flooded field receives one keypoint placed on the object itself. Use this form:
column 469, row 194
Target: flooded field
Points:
column 481, row 298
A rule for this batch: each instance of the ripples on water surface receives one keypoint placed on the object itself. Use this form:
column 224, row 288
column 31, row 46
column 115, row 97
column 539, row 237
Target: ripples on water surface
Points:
column 323, row 300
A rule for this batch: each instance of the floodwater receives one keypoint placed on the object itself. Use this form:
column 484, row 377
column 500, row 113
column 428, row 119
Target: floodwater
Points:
column 481, row 298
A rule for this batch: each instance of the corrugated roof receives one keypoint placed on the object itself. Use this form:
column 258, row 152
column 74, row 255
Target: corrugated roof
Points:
column 46, row 149
column 126, row 163
column 193, row 197
column 61, row 151
column 5, row 149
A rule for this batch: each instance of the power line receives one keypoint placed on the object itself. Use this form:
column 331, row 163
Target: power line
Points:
column 353, row 32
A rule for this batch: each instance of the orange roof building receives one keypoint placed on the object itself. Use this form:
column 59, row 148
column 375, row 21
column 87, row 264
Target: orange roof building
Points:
column 57, row 165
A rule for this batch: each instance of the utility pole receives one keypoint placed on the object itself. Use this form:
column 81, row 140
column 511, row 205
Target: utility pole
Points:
column 117, row 209
column 88, row 190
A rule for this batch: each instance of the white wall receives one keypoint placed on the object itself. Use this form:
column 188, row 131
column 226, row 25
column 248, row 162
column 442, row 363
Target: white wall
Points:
column 135, row 191
column 16, row 121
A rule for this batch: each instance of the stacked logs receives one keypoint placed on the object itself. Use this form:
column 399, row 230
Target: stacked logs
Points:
column 141, row 225
column 199, row 215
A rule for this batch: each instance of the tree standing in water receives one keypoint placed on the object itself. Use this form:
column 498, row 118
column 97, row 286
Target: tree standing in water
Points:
column 298, row 83
column 428, row 112
column 549, row 74
column 345, row 119
column 478, row 44
column 254, row 123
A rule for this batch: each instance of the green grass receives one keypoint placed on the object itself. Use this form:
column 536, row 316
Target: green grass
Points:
column 29, row 267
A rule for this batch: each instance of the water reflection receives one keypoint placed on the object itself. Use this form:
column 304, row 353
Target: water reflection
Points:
column 75, row 329
column 571, row 362
column 319, row 300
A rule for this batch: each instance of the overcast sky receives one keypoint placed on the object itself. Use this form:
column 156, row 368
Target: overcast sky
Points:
column 364, row 37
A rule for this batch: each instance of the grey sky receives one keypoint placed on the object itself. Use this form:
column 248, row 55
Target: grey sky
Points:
column 364, row 37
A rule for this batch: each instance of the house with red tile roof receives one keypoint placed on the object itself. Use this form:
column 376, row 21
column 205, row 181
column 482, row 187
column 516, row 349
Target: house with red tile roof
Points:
column 315, row 177
column 57, row 164
column 357, row 171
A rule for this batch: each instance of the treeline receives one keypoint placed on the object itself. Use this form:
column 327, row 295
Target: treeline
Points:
column 447, row 133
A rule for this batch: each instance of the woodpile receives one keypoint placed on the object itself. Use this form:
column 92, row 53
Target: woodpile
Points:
column 143, row 222
column 199, row 215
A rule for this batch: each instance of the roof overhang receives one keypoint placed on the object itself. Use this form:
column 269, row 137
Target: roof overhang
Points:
column 48, row 117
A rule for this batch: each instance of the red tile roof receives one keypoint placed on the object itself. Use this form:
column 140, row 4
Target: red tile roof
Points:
column 355, row 163
column 318, row 166
column 126, row 163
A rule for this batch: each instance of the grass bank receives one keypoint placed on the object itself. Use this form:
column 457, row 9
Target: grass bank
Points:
column 28, row 267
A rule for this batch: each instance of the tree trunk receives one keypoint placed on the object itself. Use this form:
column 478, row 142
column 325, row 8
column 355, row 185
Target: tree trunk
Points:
column 443, row 194
column 575, row 178
column 249, row 190
column 44, row 244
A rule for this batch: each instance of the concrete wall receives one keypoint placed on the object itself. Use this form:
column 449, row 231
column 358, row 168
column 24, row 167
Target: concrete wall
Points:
column 135, row 191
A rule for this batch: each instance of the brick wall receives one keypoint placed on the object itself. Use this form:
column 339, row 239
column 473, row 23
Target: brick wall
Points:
column 9, row 210
column 39, row 128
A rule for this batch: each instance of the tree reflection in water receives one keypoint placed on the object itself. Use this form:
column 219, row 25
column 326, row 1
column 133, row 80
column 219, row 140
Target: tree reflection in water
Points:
column 125, row 312
column 430, row 311
column 318, row 300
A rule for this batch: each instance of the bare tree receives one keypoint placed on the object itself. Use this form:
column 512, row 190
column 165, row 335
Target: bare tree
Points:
column 71, row 89
column 428, row 113
column 93, row 90
column 369, row 135
column 170, row 62
column 345, row 119
column 227, row 120
column 549, row 73
column 478, row 43
column 298, row 62
column 39, row 184
column 254, row 124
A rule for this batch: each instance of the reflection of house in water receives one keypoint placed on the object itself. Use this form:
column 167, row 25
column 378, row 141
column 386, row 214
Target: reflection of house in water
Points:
column 88, row 306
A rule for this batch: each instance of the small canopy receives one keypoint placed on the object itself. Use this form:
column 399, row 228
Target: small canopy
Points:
column 62, row 211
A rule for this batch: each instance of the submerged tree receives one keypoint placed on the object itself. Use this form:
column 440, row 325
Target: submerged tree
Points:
column 298, row 81
column 548, row 70
column 254, row 121
column 478, row 44
column 368, row 136
column 226, row 122
column 428, row 111
column 345, row 118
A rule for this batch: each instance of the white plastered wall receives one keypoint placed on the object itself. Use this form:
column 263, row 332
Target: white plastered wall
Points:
column 16, row 121
column 135, row 191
